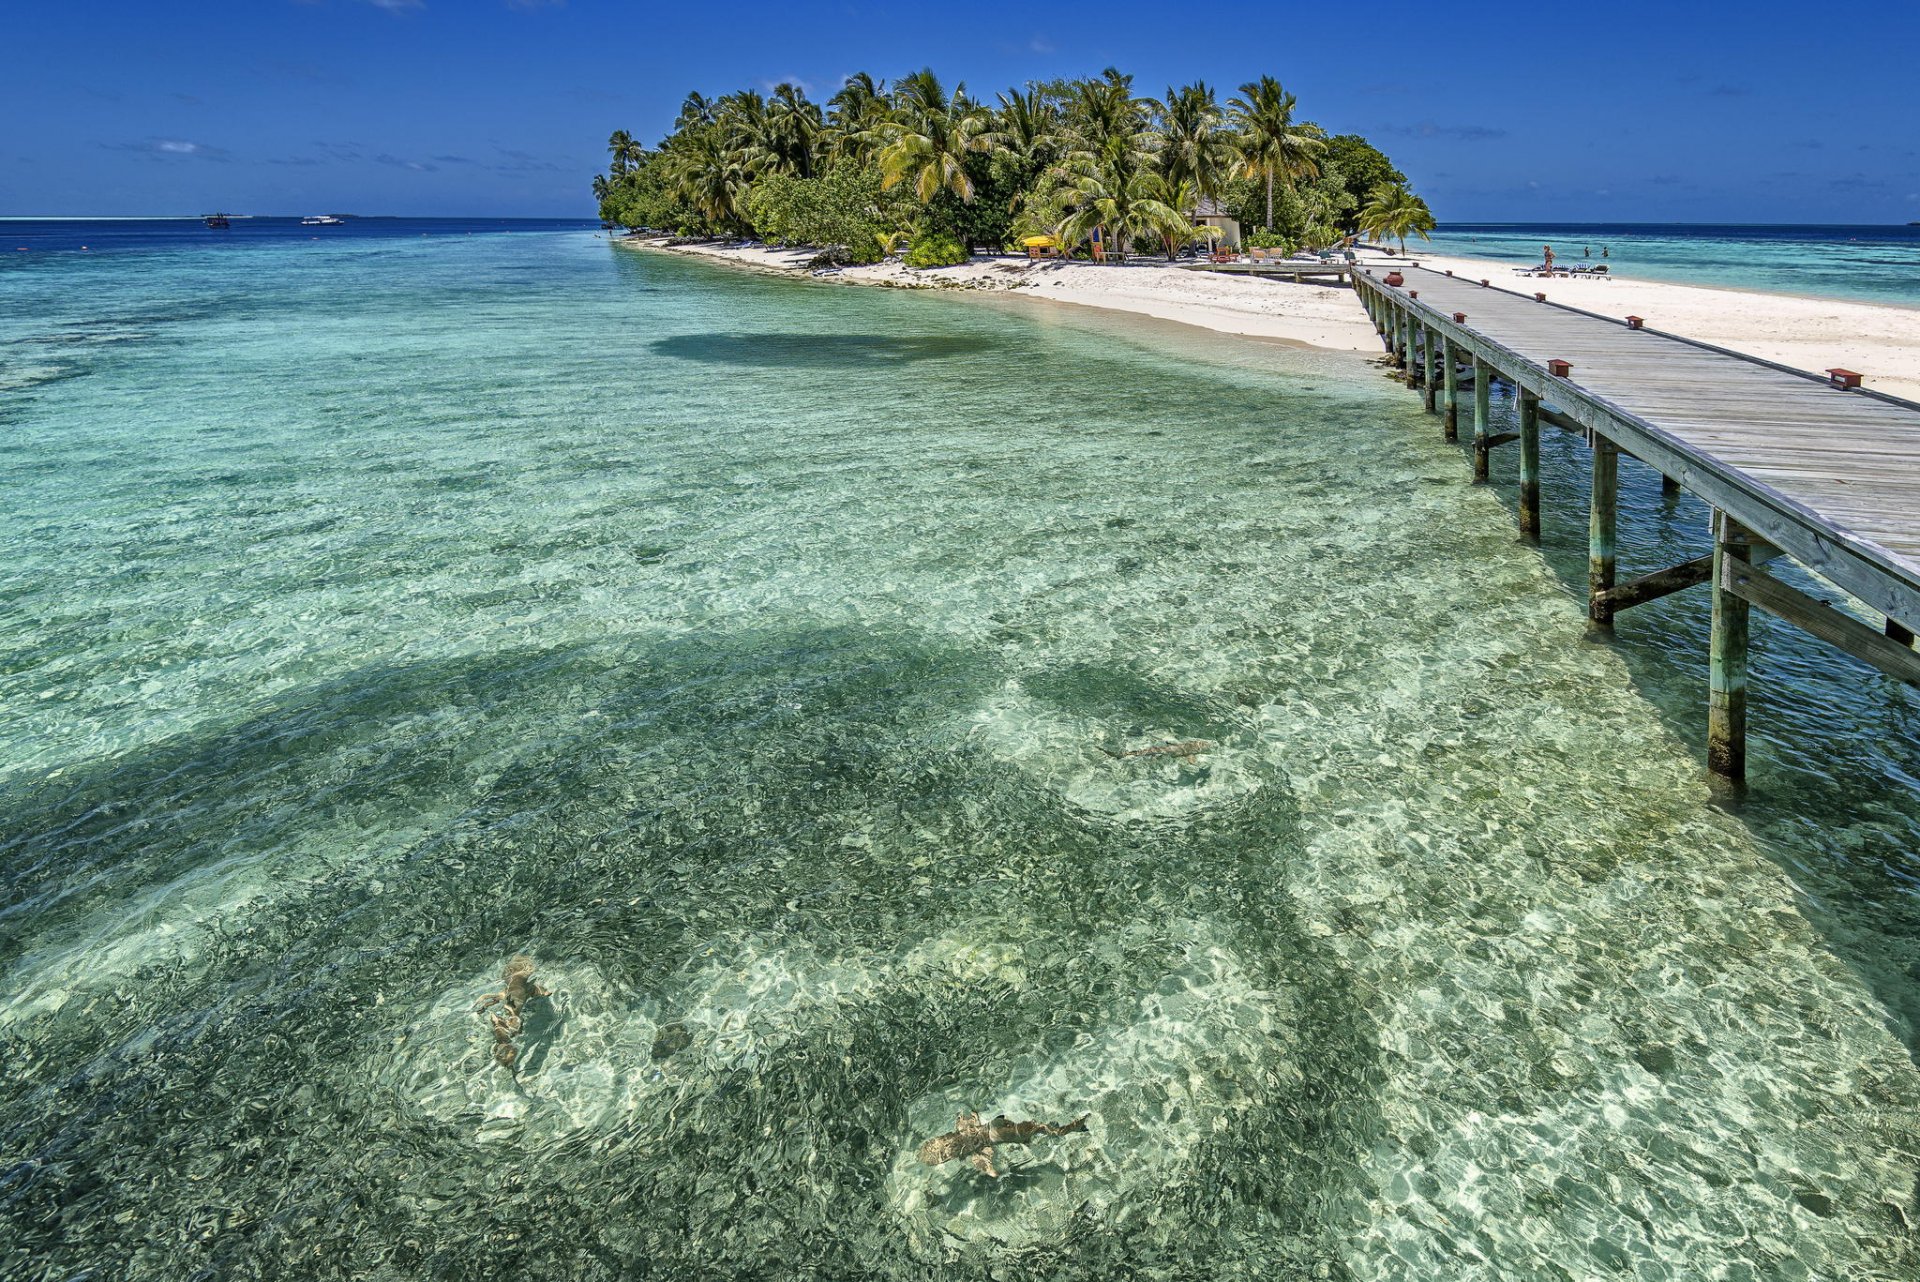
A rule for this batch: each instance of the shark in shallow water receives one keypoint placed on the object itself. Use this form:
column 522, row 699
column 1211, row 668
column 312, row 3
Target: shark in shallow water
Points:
column 520, row 989
column 975, row 1142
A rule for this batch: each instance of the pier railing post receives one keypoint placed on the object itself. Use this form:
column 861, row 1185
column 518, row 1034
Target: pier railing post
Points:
column 1433, row 369
column 1482, row 376
column 1451, row 411
column 1727, row 667
column 1600, row 530
column 1529, row 464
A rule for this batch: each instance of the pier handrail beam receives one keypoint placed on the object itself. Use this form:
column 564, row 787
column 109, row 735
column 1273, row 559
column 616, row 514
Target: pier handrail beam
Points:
column 1859, row 566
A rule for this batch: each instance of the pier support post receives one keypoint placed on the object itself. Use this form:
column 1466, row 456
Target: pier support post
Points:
column 1433, row 369
column 1399, row 338
column 1727, row 668
column 1529, row 464
column 1416, row 359
column 1451, row 410
column 1600, row 530
column 1482, row 377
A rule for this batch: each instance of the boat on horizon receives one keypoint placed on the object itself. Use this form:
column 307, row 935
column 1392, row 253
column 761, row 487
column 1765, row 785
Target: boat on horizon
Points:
column 217, row 221
column 322, row 220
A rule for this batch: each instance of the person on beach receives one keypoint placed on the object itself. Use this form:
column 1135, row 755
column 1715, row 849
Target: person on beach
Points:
column 1546, row 256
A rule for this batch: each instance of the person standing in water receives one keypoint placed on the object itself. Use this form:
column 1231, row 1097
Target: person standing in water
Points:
column 1603, row 251
column 1546, row 256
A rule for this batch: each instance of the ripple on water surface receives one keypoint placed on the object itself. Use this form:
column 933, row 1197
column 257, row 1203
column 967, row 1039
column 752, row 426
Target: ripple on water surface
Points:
column 764, row 659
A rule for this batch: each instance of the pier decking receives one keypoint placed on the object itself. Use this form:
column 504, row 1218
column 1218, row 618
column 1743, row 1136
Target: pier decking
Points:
column 1335, row 273
column 1793, row 465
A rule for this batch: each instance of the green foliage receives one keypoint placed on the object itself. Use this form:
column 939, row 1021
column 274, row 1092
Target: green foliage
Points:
column 1358, row 168
column 1394, row 212
column 844, row 211
column 935, row 249
column 1261, row 238
column 1063, row 157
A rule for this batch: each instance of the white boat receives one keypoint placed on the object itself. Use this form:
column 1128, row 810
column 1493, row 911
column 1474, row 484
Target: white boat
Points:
column 321, row 220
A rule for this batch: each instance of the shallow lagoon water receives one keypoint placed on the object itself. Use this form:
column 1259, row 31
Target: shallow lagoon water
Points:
column 380, row 611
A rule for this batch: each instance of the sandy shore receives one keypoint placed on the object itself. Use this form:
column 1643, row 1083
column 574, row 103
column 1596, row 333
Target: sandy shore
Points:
column 1882, row 342
column 1311, row 315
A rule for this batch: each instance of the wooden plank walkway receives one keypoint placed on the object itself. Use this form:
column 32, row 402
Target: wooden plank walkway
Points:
column 1792, row 465
column 1283, row 269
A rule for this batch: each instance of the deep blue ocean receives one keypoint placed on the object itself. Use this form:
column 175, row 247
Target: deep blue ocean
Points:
column 1879, row 264
column 771, row 662
column 133, row 235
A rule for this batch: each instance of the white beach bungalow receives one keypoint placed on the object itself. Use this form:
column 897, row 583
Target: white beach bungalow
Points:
column 1212, row 215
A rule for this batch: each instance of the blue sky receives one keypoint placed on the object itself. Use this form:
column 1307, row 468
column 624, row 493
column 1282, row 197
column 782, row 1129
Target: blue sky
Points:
column 1761, row 112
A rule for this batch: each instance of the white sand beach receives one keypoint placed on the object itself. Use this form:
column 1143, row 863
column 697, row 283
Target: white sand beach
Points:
column 1880, row 341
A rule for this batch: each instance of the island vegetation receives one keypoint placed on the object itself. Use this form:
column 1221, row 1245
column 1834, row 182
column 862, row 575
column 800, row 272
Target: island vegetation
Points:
column 933, row 174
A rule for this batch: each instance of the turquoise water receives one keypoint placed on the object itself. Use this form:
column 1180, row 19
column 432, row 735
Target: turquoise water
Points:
column 1869, row 264
column 750, row 652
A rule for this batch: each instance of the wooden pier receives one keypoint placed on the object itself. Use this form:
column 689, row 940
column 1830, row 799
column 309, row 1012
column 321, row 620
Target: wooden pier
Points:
column 1795, row 467
column 1297, row 272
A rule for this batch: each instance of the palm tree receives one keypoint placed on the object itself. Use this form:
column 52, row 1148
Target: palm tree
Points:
column 854, row 119
column 695, row 110
column 625, row 151
column 1123, row 200
column 931, row 136
column 1271, row 145
column 1028, row 128
column 793, row 125
column 1393, row 210
column 708, row 174
column 1196, row 147
column 1103, row 113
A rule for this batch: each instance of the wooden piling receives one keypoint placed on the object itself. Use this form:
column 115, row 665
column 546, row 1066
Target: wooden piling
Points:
column 1727, row 659
column 1482, row 376
column 1451, row 373
column 1529, row 464
column 1601, row 520
column 1415, row 360
column 1432, row 379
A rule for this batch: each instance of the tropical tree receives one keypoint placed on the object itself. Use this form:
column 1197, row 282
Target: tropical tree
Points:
column 626, row 153
column 1395, row 211
column 793, row 124
column 854, row 118
column 931, row 136
column 1125, row 202
column 1197, row 148
column 1272, row 146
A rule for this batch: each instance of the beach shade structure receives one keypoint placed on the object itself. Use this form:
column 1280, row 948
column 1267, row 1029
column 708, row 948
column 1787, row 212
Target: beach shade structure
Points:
column 1845, row 379
column 1041, row 246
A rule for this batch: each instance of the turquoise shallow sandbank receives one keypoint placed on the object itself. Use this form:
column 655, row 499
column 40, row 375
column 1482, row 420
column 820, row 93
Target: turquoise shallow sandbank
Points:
column 752, row 653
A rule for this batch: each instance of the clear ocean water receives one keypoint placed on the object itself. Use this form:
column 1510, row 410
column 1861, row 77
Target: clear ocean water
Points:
column 1879, row 264
column 750, row 652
